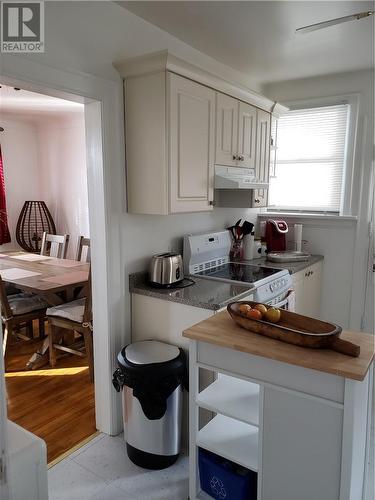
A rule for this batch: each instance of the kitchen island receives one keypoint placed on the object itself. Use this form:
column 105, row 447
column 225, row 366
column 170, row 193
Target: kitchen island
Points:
column 298, row 417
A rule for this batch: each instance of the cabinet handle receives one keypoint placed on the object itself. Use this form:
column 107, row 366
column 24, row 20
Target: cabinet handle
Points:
column 241, row 158
column 235, row 157
column 257, row 200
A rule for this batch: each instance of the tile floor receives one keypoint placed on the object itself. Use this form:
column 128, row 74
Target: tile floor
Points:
column 101, row 470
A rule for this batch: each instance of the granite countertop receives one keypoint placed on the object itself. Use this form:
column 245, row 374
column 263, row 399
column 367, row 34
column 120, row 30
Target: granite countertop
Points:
column 210, row 294
column 206, row 294
column 292, row 267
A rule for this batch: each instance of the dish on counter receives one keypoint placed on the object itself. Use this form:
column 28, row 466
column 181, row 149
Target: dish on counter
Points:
column 288, row 256
column 295, row 329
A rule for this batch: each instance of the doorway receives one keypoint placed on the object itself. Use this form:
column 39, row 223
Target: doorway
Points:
column 44, row 158
column 103, row 104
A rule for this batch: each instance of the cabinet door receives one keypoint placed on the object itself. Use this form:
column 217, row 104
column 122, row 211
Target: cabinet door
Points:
column 301, row 448
column 247, row 131
column 312, row 290
column 307, row 285
column 298, row 280
column 226, row 130
column 191, row 145
column 262, row 158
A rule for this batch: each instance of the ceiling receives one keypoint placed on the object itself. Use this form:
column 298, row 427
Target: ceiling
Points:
column 258, row 37
column 33, row 105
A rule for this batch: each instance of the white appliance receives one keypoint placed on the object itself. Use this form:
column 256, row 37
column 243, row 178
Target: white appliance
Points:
column 207, row 256
column 237, row 178
column 27, row 464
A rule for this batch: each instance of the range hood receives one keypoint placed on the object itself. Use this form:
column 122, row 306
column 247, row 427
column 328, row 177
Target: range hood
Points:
column 237, row 178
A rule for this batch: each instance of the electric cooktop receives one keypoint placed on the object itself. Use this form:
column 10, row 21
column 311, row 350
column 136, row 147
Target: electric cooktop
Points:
column 236, row 271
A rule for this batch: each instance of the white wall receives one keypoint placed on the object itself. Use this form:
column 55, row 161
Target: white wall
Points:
column 63, row 175
column 20, row 157
column 345, row 247
column 90, row 36
column 45, row 159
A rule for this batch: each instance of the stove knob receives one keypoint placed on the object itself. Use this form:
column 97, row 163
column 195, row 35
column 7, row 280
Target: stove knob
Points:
column 272, row 288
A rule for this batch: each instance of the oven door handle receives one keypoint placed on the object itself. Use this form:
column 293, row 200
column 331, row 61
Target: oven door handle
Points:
column 281, row 303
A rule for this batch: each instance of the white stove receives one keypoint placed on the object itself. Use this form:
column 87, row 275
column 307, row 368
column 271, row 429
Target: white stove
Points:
column 207, row 256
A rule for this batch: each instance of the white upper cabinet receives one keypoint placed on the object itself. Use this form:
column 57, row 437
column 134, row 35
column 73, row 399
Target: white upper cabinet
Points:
column 177, row 129
column 226, row 130
column 262, row 157
column 170, row 144
column 247, row 129
column 191, row 145
column 236, row 128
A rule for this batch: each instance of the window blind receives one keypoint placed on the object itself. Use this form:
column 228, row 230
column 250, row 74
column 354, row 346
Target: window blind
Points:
column 310, row 159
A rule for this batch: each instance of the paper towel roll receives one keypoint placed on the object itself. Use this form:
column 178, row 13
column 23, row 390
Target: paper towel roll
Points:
column 248, row 242
column 298, row 237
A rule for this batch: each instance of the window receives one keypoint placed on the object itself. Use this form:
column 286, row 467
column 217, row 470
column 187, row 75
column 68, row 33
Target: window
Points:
column 309, row 168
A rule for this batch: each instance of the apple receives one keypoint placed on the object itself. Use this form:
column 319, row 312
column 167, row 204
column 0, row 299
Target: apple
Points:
column 273, row 315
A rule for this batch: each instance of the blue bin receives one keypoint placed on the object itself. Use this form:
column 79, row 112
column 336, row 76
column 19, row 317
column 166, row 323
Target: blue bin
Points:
column 225, row 480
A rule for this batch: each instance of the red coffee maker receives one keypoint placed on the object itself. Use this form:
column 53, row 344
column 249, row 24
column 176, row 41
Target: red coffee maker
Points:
column 275, row 235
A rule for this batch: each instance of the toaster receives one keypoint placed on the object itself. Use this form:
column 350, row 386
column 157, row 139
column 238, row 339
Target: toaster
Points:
column 166, row 270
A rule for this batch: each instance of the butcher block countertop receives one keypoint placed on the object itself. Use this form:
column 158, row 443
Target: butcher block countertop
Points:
column 222, row 331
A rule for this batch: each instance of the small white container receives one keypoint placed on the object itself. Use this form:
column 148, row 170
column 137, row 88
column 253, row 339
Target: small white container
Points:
column 257, row 249
column 248, row 244
column 297, row 237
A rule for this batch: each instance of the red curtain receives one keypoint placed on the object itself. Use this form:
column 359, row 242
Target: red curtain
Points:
column 4, row 229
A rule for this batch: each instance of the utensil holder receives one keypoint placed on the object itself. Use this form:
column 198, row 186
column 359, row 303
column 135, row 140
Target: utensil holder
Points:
column 236, row 252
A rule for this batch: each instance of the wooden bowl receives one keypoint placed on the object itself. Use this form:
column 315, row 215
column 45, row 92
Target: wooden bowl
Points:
column 296, row 329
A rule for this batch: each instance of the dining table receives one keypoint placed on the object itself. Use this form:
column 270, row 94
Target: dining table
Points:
column 56, row 280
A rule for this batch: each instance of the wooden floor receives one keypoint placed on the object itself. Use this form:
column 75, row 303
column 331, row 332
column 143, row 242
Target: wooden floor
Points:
column 55, row 404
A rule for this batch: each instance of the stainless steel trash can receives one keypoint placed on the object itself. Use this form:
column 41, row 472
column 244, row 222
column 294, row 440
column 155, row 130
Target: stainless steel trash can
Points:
column 151, row 375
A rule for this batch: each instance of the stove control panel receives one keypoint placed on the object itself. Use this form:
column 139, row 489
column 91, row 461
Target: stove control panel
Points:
column 278, row 284
column 276, row 287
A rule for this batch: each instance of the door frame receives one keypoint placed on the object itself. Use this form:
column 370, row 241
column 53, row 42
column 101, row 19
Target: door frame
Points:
column 4, row 489
column 105, row 151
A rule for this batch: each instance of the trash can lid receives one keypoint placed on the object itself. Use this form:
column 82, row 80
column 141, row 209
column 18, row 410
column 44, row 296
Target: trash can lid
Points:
column 150, row 351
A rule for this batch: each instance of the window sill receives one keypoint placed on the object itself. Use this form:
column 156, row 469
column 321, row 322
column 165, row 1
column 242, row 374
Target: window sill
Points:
column 311, row 219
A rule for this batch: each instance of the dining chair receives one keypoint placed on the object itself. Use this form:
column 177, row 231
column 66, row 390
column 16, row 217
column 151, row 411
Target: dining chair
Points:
column 83, row 244
column 20, row 310
column 75, row 316
column 54, row 245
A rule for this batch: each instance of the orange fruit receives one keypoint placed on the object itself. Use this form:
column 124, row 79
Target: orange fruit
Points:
column 261, row 307
column 254, row 314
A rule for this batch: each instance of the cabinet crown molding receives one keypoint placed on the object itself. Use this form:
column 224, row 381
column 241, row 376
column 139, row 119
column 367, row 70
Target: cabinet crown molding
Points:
column 165, row 61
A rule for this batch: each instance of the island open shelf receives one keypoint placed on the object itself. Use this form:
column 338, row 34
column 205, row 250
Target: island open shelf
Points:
column 231, row 439
column 232, row 397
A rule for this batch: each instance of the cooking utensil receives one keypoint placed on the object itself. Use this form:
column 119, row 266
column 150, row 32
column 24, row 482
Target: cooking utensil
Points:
column 247, row 227
column 296, row 329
